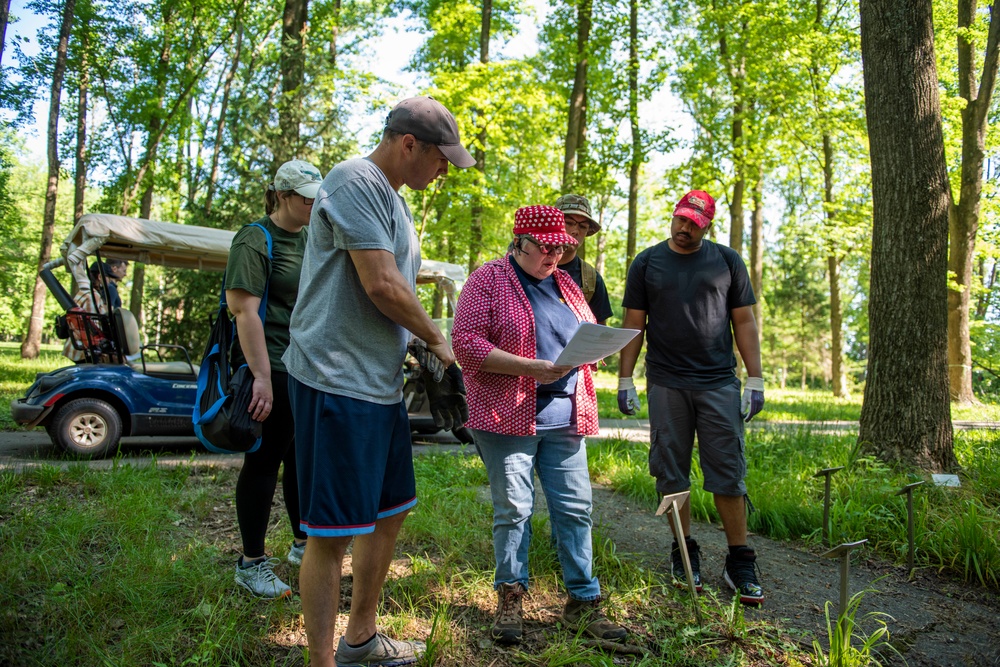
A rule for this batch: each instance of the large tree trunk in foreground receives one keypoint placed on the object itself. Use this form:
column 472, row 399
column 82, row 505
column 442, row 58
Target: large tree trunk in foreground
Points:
column 965, row 215
column 906, row 416
column 33, row 337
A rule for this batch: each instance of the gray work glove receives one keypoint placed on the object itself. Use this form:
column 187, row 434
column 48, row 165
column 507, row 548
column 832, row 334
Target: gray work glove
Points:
column 628, row 398
column 753, row 398
column 429, row 362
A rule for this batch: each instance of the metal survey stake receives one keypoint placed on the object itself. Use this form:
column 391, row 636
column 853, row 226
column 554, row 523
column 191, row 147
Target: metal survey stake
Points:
column 843, row 552
column 908, row 490
column 826, row 472
column 670, row 505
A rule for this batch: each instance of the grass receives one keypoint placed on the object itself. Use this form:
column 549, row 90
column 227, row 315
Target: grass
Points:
column 133, row 566
column 957, row 529
column 16, row 375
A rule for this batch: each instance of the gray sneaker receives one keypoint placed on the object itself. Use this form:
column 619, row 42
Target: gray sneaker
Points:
column 296, row 553
column 379, row 651
column 261, row 580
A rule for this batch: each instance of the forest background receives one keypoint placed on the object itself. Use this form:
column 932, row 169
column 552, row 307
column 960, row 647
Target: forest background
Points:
column 181, row 111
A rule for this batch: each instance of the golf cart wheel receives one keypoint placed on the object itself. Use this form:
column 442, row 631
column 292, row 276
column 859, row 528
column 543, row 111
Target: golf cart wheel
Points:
column 463, row 434
column 87, row 427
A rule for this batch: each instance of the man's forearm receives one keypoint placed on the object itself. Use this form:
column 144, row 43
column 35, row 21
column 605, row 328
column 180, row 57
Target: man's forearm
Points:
column 629, row 355
column 398, row 302
column 748, row 343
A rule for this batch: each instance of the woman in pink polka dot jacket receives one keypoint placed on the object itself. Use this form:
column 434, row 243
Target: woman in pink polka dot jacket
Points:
column 514, row 317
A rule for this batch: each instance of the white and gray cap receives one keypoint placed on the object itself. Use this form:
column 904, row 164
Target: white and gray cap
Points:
column 300, row 176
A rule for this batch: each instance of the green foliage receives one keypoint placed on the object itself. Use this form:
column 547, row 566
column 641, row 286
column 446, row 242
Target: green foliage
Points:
column 850, row 645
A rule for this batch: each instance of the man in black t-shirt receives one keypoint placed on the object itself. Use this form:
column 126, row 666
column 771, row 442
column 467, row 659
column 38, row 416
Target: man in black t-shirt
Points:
column 580, row 224
column 689, row 297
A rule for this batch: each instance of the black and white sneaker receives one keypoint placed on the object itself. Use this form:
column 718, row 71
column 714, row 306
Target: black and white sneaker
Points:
column 677, row 564
column 741, row 576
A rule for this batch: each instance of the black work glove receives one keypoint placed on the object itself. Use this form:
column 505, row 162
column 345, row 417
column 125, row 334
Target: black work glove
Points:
column 429, row 362
column 447, row 398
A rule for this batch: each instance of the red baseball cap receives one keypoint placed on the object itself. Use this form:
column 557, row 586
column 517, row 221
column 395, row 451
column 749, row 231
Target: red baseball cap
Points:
column 697, row 206
column 546, row 224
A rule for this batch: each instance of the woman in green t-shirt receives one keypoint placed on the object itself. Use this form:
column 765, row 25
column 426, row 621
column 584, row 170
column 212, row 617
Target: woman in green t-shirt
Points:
column 288, row 204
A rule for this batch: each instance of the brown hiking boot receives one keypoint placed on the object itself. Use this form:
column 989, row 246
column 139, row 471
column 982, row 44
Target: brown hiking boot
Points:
column 507, row 621
column 597, row 625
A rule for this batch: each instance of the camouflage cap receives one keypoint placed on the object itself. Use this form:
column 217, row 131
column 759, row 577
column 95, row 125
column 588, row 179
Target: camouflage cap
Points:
column 578, row 205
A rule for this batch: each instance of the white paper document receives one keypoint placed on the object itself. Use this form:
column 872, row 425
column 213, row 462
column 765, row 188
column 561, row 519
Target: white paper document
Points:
column 593, row 342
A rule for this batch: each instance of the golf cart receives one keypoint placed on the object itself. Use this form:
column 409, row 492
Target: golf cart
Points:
column 120, row 387
column 124, row 388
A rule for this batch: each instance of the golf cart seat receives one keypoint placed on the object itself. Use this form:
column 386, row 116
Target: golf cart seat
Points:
column 133, row 348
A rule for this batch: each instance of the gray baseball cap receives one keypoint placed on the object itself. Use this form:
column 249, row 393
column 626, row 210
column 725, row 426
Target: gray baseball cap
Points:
column 427, row 120
column 578, row 205
column 300, row 176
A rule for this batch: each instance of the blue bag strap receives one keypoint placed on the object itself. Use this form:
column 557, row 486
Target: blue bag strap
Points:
column 270, row 256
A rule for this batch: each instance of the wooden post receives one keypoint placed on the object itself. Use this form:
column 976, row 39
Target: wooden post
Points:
column 671, row 505
column 826, row 472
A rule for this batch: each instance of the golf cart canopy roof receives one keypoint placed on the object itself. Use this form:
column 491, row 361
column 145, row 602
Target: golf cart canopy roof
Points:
column 151, row 242
column 187, row 246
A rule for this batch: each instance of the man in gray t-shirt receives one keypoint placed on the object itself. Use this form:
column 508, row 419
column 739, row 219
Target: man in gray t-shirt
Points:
column 348, row 334
column 691, row 298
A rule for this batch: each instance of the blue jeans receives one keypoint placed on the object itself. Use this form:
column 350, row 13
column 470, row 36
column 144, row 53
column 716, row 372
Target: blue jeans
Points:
column 561, row 460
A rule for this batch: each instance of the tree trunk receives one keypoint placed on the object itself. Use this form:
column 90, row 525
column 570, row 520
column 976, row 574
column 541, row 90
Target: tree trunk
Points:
column 152, row 145
column 833, row 260
column 983, row 303
column 633, row 115
column 80, row 186
column 737, row 74
column 476, row 208
column 576, row 128
column 757, row 250
column 906, row 415
column 739, row 183
column 965, row 217
column 292, row 65
column 4, row 15
column 33, row 337
column 223, row 109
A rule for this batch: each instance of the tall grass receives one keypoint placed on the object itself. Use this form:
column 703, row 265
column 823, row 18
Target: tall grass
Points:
column 956, row 530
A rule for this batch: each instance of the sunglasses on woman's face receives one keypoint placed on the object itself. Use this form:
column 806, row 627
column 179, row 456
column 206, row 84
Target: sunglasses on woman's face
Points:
column 545, row 249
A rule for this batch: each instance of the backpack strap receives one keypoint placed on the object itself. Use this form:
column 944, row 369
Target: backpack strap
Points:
column 270, row 256
column 588, row 280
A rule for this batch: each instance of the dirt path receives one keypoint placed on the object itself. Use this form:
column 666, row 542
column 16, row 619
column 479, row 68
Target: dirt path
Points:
column 936, row 621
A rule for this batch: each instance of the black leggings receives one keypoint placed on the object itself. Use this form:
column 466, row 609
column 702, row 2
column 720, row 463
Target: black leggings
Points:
column 259, row 475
